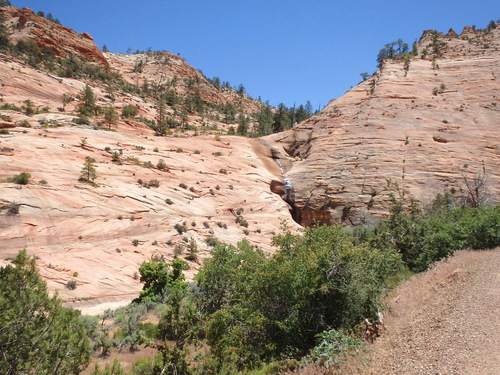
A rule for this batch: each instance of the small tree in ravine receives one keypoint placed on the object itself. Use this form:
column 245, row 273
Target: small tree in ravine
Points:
column 88, row 173
column 110, row 116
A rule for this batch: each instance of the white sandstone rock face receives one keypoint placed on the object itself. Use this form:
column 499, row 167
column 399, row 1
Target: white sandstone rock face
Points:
column 421, row 128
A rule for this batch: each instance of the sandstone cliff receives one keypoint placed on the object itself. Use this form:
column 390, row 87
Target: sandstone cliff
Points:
column 422, row 123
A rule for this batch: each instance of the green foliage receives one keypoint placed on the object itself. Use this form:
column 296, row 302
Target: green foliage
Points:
column 423, row 237
column 110, row 116
column 81, row 120
column 37, row 334
column 88, row 173
column 333, row 347
column 262, row 308
column 181, row 228
column 130, row 111
column 157, row 276
column 114, row 369
column 243, row 123
column 161, row 165
column 4, row 36
column 13, row 208
column 391, row 50
column 88, row 106
column 131, row 332
column 22, row 178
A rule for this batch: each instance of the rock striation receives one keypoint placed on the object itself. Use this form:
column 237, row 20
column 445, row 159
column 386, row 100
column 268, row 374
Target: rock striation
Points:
column 422, row 122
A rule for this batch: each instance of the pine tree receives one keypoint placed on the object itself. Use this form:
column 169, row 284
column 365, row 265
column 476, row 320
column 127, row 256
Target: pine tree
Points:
column 87, row 106
column 4, row 36
column 88, row 173
column 110, row 116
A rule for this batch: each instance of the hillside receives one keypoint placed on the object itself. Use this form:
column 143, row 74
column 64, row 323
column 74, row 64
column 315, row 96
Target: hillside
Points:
column 422, row 121
column 213, row 184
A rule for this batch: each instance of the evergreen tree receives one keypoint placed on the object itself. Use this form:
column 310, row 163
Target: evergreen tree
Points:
column 309, row 108
column 4, row 36
column 265, row 120
column 282, row 119
column 243, row 123
column 88, row 173
column 110, row 116
column 37, row 334
column 88, row 106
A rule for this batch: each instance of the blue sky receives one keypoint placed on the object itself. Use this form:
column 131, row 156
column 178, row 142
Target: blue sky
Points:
column 284, row 51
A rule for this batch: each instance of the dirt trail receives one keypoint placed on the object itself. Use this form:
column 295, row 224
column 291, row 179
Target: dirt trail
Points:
column 445, row 321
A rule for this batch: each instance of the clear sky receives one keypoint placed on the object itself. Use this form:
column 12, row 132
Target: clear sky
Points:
column 286, row 51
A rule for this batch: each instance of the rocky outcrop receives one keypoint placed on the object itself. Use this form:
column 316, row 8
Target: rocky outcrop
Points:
column 7, row 125
column 422, row 125
column 63, row 41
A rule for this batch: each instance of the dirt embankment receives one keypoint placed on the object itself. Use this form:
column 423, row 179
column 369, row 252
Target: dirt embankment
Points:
column 444, row 321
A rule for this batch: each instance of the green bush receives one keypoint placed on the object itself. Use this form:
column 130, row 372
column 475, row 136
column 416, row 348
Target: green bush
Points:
column 38, row 334
column 423, row 237
column 181, row 228
column 81, row 120
column 13, row 208
column 333, row 348
column 154, row 183
column 161, row 165
column 22, row 178
column 130, row 111
column 260, row 308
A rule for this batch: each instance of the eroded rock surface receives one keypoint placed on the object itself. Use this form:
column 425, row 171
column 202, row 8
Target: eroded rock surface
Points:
column 422, row 124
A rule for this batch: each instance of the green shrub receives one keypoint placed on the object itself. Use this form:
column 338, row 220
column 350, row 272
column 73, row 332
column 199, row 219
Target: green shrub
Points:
column 22, row 178
column 81, row 120
column 333, row 348
column 13, row 208
column 423, row 237
column 181, row 228
column 259, row 308
column 154, row 183
column 161, row 165
column 24, row 124
column 130, row 111
column 71, row 284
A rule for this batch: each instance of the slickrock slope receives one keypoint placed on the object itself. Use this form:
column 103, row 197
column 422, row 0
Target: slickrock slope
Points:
column 420, row 127
column 86, row 233
column 100, row 235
